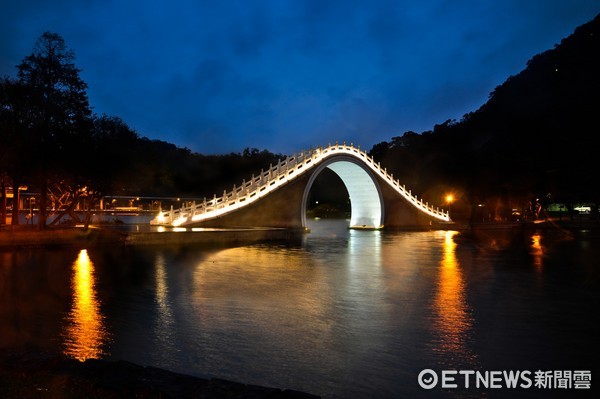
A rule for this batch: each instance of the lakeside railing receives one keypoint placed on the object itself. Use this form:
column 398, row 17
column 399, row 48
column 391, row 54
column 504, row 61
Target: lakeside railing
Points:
column 278, row 175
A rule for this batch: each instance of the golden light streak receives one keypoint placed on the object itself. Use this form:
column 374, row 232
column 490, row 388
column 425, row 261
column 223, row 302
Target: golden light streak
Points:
column 536, row 250
column 85, row 334
column 453, row 320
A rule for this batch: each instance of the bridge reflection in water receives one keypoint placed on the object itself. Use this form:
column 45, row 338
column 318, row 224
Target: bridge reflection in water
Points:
column 164, row 325
column 85, row 334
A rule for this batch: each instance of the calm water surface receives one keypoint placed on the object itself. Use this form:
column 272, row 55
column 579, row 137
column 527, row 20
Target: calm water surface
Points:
column 342, row 314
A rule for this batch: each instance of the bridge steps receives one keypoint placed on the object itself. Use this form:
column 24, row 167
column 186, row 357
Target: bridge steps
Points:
column 284, row 172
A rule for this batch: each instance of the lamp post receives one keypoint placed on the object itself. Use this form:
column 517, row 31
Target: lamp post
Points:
column 449, row 201
column 31, row 201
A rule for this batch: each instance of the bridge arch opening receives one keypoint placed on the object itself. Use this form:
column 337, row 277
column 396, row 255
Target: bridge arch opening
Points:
column 366, row 201
column 328, row 197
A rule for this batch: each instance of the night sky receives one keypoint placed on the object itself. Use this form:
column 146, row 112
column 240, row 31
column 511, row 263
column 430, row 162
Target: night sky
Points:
column 219, row 76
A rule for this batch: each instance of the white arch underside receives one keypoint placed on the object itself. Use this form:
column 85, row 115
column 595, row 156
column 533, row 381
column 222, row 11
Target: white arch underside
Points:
column 365, row 199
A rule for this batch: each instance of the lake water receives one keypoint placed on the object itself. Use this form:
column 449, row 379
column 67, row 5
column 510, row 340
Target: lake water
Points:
column 341, row 314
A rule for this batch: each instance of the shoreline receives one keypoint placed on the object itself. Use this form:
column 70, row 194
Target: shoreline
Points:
column 27, row 236
column 29, row 374
column 97, row 235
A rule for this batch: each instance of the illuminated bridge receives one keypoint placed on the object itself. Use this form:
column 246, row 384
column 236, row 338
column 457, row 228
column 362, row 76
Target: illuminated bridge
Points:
column 278, row 197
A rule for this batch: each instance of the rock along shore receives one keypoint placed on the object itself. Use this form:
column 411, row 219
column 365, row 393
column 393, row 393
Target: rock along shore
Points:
column 40, row 375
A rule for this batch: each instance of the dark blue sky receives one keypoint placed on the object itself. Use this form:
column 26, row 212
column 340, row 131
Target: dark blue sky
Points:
column 219, row 76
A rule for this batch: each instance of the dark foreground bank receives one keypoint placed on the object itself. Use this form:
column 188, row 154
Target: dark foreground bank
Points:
column 38, row 375
column 26, row 236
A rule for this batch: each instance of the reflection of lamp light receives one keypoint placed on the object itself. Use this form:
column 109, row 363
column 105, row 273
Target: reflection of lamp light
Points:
column 85, row 333
column 537, row 250
column 453, row 320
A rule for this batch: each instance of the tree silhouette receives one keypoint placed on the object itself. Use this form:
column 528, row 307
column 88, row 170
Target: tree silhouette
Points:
column 16, row 157
column 57, row 99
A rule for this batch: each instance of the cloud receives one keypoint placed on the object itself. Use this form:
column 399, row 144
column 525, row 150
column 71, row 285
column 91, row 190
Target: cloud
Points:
column 222, row 76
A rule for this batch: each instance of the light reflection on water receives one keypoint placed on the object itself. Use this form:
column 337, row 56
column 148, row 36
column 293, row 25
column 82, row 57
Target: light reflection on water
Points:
column 536, row 250
column 164, row 325
column 453, row 320
column 345, row 313
column 85, row 335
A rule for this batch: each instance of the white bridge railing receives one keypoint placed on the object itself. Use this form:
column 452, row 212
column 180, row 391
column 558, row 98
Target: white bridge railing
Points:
column 278, row 175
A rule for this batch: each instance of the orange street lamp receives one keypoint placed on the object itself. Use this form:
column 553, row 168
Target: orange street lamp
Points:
column 449, row 201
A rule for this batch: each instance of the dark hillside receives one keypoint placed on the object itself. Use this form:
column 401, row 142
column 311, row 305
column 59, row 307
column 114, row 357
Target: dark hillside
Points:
column 538, row 134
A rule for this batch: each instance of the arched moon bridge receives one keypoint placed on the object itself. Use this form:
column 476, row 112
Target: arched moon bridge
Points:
column 278, row 197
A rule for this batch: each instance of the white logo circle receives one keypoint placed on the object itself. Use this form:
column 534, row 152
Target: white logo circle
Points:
column 427, row 379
